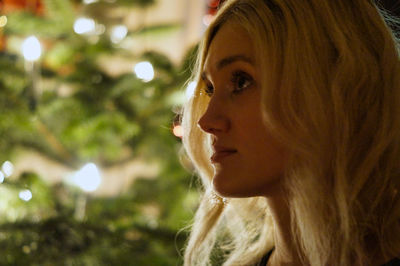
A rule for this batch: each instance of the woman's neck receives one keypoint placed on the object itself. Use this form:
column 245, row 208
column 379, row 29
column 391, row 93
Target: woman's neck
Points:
column 285, row 253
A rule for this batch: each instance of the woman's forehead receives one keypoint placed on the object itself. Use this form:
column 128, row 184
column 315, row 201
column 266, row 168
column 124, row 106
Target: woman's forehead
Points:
column 232, row 42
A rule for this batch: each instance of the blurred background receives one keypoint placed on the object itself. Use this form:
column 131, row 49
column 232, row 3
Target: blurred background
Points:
column 91, row 171
column 91, row 168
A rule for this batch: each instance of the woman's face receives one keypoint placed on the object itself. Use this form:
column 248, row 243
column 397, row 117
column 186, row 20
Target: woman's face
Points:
column 247, row 161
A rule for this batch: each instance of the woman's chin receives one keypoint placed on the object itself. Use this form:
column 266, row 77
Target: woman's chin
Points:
column 222, row 187
column 229, row 189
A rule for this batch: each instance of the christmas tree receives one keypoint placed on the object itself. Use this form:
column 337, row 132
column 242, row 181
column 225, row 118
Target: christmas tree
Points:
column 92, row 171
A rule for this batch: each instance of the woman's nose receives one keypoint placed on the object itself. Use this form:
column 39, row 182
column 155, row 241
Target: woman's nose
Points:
column 215, row 119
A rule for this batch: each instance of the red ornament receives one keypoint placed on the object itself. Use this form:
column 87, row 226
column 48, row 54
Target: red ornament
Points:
column 213, row 6
column 34, row 6
column 213, row 3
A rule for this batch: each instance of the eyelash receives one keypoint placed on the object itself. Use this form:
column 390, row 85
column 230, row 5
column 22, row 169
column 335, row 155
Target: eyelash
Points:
column 235, row 78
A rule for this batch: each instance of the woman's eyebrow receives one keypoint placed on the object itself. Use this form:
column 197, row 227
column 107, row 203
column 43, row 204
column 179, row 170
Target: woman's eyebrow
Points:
column 229, row 60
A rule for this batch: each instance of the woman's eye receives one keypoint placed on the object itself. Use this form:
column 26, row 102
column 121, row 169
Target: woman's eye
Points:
column 209, row 90
column 241, row 81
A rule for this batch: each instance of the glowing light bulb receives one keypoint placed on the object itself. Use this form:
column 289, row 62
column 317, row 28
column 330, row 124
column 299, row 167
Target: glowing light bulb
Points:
column 118, row 33
column 178, row 131
column 84, row 25
column 3, row 21
column 7, row 168
column 31, row 49
column 2, row 177
column 207, row 19
column 144, row 71
column 88, row 178
column 25, row 195
column 190, row 89
column 87, row 2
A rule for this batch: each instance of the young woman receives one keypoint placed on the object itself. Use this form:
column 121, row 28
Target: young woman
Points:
column 294, row 129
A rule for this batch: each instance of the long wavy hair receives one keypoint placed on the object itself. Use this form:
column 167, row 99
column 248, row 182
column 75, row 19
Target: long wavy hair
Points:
column 331, row 94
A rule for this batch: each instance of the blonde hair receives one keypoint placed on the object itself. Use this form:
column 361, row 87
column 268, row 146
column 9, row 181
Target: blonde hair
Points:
column 331, row 94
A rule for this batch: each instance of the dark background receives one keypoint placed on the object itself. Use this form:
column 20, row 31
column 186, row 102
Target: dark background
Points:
column 392, row 5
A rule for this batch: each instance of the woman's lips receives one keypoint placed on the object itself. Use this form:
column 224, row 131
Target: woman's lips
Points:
column 220, row 155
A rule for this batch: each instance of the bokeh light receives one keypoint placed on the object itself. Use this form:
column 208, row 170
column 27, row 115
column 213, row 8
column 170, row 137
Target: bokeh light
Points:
column 7, row 168
column 2, row 177
column 88, row 178
column 25, row 195
column 118, row 33
column 87, row 2
column 178, row 131
column 207, row 19
column 84, row 25
column 31, row 49
column 144, row 71
column 3, row 21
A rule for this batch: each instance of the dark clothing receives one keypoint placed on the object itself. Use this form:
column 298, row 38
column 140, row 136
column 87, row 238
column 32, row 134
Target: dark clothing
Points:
column 393, row 262
column 264, row 260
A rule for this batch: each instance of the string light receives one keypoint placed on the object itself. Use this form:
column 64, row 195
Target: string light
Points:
column 88, row 178
column 87, row 2
column 25, row 195
column 118, row 33
column 178, row 131
column 3, row 21
column 144, row 71
column 7, row 168
column 31, row 49
column 207, row 19
column 84, row 25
